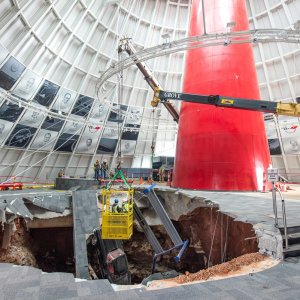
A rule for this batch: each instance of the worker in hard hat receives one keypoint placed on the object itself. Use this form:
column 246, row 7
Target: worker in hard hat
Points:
column 115, row 207
column 104, row 169
column 125, row 206
column 96, row 169
column 61, row 173
column 161, row 173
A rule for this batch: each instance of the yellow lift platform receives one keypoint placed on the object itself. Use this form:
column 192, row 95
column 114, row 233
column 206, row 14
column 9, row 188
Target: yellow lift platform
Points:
column 117, row 210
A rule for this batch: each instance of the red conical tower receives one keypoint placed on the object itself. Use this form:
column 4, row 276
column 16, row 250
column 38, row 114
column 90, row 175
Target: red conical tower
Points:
column 217, row 148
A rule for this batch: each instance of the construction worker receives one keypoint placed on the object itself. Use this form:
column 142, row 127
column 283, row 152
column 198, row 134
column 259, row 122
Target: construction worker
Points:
column 125, row 206
column 161, row 174
column 96, row 169
column 115, row 207
column 104, row 169
column 61, row 173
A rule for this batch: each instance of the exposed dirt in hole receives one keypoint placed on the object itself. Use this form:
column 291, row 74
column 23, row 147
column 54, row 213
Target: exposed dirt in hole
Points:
column 214, row 238
column 245, row 264
column 50, row 249
column 20, row 250
column 221, row 269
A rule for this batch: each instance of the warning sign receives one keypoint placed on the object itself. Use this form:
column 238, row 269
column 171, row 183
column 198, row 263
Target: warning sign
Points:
column 273, row 175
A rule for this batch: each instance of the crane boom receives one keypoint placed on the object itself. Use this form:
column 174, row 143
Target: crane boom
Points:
column 279, row 108
column 127, row 46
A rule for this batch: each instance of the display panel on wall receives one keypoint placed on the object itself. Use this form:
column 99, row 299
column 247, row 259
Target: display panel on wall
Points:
column 111, row 130
column 290, row 133
column 117, row 113
column 5, row 127
column 270, row 126
column 107, row 146
column 10, row 72
column 53, row 124
column 44, row 140
column 134, row 115
column 10, row 112
column 66, row 142
column 130, row 132
column 32, row 118
column 46, row 93
column 89, row 140
column 274, row 146
column 127, row 147
column 100, row 111
column 27, row 85
column 273, row 140
column 21, row 136
column 82, row 106
column 64, row 100
column 72, row 127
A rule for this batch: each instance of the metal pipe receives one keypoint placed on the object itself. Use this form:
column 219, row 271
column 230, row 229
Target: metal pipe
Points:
column 284, row 218
column 203, row 16
column 274, row 204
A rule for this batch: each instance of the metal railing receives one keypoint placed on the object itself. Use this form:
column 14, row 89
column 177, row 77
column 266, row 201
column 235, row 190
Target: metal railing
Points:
column 274, row 190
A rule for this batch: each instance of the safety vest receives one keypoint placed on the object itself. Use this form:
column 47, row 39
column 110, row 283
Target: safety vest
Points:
column 115, row 208
column 125, row 206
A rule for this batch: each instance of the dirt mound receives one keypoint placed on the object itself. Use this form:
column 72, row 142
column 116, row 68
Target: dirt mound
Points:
column 220, row 270
column 19, row 251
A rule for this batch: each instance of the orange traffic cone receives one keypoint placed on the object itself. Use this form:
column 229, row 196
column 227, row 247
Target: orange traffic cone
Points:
column 141, row 180
column 283, row 187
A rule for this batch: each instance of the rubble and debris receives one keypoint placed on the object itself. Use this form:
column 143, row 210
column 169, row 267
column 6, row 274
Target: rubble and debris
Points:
column 221, row 269
column 20, row 250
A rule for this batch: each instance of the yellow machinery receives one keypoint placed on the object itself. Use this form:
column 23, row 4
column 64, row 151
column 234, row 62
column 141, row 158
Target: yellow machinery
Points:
column 117, row 211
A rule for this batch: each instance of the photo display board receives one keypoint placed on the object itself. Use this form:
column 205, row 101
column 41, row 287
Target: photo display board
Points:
column 27, row 85
column 82, row 106
column 115, row 116
column 99, row 111
column 32, row 118
column 64, row 100
column 107, row 146
column 72, row 127
column 66, row 142
column 89, row 140
column 10, row 73
column 53, row 124
column 5, row 128
column 273, row 140
column 44, row 140
column 290, row 132
column 130, row 132
column 20, row 136
column 111, row 130
column 46, row 93
column 128, row 147
column 134, row 115
column 10, row 112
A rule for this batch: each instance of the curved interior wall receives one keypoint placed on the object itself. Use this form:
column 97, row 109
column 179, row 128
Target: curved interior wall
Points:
column 220, row 149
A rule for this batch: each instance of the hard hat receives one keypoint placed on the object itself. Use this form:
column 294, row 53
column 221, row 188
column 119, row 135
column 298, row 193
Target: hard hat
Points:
column 116, row 200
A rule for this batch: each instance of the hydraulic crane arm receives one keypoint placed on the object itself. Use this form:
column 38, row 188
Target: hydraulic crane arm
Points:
column 126, row 45
column 288, row 109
